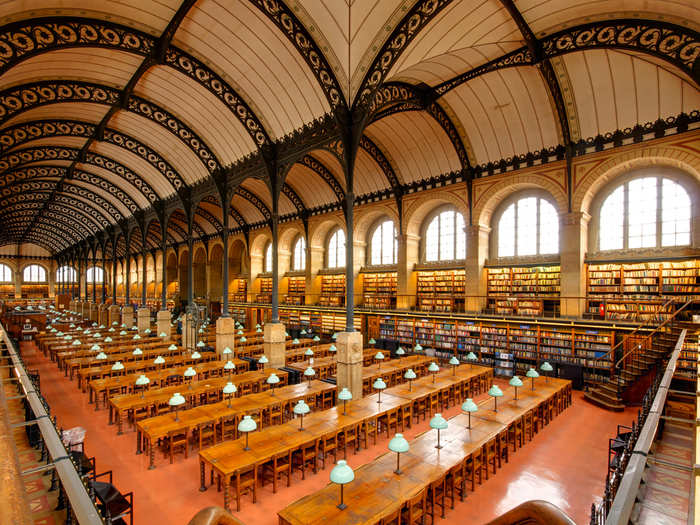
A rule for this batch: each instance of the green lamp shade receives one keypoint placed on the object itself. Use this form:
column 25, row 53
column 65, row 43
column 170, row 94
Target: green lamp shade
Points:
column 301, row 408
column 53, row 330
column 546, row 367
column 79, row 329
column 118, row 366
column 123, row 325
column 201, row 344
column 71, row 325
column 111, row 330
column 257, row 325
column 263, row 360
column 309, row 372
column 400, row 351
column 229, row 388
column 243, row 339
column 101, row 355
column 172, row 347
column 147, row 331
column 229, row 365
column 159, row 360
column 96, row 335
column 240, row 332
column 101, row 327
column 68, row 337
column 247, row 424
column 379, row 384
column 398, row 444
column 134, row 327
column 438, row 422
column 273, row 379
column 123, row 332
column 454, row 361
column 372, row 341
column 227, row 351
column 317, row 338
column 345, row 394
column 137, row 336
column 342, row 473
column 95, row 348
column 332, row 348
column 59, row 334
column 258, row 330
column 286, row 334
column 137, row 351
column 200, row 331
column 142, row 380
column 515, row 381
column 494, row 391
column 108, row 339
column 469, row 406
column 379, row 356
column 532, row 373
column 334, row 336
column 190, row 372
column 433, row 367
column 410, row 374
column 196, row 355
column 309, row 352
column 418, row 347
column 303, row 332
column 471, row 356
column 77, row 342
column 114, row 323
column 176, row 400
column 295, row 341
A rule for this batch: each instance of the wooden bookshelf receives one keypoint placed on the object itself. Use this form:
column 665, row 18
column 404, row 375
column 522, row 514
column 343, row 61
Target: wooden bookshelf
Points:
column 33, row 291
column 332, row 290
column 265, row 295
column 7, row 291
column 379, row 290
column 522, row 290
column 440, row 290
column 239, row 291
column 296, row 290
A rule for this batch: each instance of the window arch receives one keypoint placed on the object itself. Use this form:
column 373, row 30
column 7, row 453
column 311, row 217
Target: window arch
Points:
column 95, row 274
column 645, row 212
column 268, row 258
column 528, row 226
column 336, row 249
column 34, row 274
column 384, row 244
column 445, row 238
column 5, row 274
column 299, row 254
column 66, row 274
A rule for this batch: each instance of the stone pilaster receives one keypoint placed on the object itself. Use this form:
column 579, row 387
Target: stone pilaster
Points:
column 349, row 357
column 475, row 275
column 274, row 345
column 163, row 324
column 114, row 314
column 95, row 313
column 85, row 310
column 128, row 316
column 573, row 238
column 103, row 315
column 225, row 335
column 143, row 319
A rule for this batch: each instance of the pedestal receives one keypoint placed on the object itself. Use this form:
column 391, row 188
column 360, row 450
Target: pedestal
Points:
column 114, row 314
column 349, row 355
column 163, row 324
column 95, row 313
column 103, row 315
column 71, row 305
column 128, row 316
column 274, row 345
column 225, row 335
column 143, row 319
column 85, row 310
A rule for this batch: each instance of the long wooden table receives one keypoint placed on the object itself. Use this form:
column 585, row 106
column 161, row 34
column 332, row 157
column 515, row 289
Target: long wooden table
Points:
column 120, row 406
column 325, row 362
column 378, row 492
column 85, row 350
column 154, row 428
column 73, row 365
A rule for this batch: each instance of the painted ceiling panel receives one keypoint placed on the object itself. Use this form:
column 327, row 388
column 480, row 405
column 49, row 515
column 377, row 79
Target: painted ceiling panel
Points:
column 83, row 111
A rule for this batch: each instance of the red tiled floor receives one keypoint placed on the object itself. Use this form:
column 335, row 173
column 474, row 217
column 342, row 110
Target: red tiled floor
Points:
column 565, row 464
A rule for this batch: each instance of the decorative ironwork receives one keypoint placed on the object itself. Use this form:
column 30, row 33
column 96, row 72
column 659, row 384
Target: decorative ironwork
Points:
column 320, row 169
column 255, row 200
column 292, row 195
column 300, row 38
column 314, row 135
column 376, row 153
column 436, row 111
column 393, row 93
column 216, row 223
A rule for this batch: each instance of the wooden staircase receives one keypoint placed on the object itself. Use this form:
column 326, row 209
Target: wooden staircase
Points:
column 638, row 361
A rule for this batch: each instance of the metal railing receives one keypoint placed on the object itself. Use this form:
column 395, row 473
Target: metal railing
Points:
column 76, row 489
column 622, row 482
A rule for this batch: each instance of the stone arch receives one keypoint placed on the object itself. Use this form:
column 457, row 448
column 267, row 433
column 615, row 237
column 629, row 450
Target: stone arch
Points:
column 367, row 216
column 172, row 283
column 318, row 231
column 199, row 271
column 421, row 207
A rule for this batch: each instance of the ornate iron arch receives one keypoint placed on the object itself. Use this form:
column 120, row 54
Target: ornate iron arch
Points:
column 326, row 175
column 210, row 219
column 255, row 200
column 376, row 153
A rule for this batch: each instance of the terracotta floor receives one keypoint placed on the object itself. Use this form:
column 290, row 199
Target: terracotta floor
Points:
column 565, row 464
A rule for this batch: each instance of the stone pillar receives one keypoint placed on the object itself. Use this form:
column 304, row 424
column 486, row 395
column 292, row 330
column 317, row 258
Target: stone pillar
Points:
column 95, row 313
column 225, row 335
column 274, row 345
column 85, row 309
column 114, row 314
column 143, row 319
column 349, row 357
column 103, row 315
column 406, row 258
column 128, row 316
column 475, row 275
column 163, row 324
column 71, row 305
column 573, row 239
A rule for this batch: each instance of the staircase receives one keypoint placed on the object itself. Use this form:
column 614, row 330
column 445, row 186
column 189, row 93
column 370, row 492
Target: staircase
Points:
column 645, row 354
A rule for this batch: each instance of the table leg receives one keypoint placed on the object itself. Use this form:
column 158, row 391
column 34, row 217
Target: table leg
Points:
column 152, row 456
column 111, row 417
column 202, row 485
column 119, row 423
column 138, row 442
column 227, row 486
column 90, row 396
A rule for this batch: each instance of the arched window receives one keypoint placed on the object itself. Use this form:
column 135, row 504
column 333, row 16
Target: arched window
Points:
column 384, row 244
column 336, row 249
column 34, row 274
column 268, row 258
column 646, row 212
column 65, row 274
column 95, row 275
column 5, row 274
column 299, row 257
column 445, row 238
column 528, row 226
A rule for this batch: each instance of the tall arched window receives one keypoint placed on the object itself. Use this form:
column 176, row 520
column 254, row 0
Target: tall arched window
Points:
column 95, row 275
column 384, row 244
column 336, row 249
column 65, row 274
column 5, row 274
column 445, row 238
column 299, row 256
column 646, row 212
column 34, row 274
column 528, row 226
column 268, row 258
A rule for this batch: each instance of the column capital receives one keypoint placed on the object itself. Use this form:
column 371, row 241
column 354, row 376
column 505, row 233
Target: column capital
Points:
column 407, row 237
column 574, row 217
column 475, row 229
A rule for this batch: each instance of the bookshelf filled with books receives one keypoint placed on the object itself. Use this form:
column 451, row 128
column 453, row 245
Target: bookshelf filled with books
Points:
column 239, row 290
column 296, row 290
column 332, row 290
column 265, row 294
column 7, row 291
column 523, row 290
column 379, row 290
column 440, row 290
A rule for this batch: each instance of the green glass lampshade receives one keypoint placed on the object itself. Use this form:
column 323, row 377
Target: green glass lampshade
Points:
column 72, row 325
column 196, row 355
column 418, row 347
column 379, row 356
column 101, row 327
column 303, row 332
column 190, row 372
column 438, row 422
column 134, row 327
column 137, row 351
column 308, row 352
column 229, row 365
column 469, row 406
column 272, row 379
column 410, row 374
column 240, row 332
column 494, row 391
column 142, row 380
column 398, row 444
column 243, row 339
column 123, row 332
column 115, row 323
column 95, row 348
column 118, row 366
column 301, row 408
column 123, row 325
column 257, row 325
column 532, row 373
column 137, row 336
column 159, row 360
column 227, row 351
column 147, row 331
column 454, row 361
column 111, row 330
column 263, row 360
column 59, row 334
column 379, row 384
column 258, row 330
column 77, row 342
column 515, row 381
column 200, row 331
column 201, row 344
column 309, row 372
column 345, row 395
column 471, row 356
column 172, row 347
column 286, row 334
column 53, row 330
column 342, row 473
column 400, row 351
column 79, row 329
column 334, row 336
column 546, row 367
column 317, row 338
column 108, row 339
column 372, row 341
column 332, row 348
column 96, row 335
column 101, row 355
column 247, row 424
column 433, row 367
column 162, row 334
column 229, row 388
column 68, row 337
column 295, row 341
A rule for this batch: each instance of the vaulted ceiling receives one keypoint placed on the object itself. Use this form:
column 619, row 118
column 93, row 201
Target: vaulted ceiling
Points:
column 121, row 113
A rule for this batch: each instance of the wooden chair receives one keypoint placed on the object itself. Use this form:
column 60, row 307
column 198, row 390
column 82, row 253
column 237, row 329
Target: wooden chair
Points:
column 328, row 398
column 304, row 456
column 515, row 434
column 246, row 480
column 274, row 415
column 228, row 427
column 490, row 456
column 204, row 434
column 389, row 419
column 328, row 445
column 434, row 403
column 177, row 439
column 392, row 519
column 348, row 437
column 420, row 408
column 404, row 415
column 279, row 465
column 473, row 467
column 457, row 483
column 529, row 425
column 415, row 509
column 502, row 442
column 436, row 497
column 368, row 428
